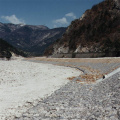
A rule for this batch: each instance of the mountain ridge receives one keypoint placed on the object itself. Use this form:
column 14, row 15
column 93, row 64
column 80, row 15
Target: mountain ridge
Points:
column 30, row 37
column 98, row 30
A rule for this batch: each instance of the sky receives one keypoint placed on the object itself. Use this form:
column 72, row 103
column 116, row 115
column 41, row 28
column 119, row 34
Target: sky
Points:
column 51, row 13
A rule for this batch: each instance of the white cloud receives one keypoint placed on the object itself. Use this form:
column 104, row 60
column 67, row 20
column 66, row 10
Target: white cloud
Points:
column 65, row 20
column 13, row 19
column 61, row 21
column 54, row 26
column 71, row 15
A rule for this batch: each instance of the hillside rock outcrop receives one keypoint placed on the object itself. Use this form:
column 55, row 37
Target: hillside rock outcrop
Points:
column 7, row 50
column 98, row 30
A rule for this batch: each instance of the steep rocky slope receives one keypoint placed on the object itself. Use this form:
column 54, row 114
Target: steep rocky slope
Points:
column 31, row 38
column 7, row 50
column 98, row 30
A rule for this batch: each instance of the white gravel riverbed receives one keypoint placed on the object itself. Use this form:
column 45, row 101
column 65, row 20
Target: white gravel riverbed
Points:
column 76, row 101
column 99, row 100
column 23, row 84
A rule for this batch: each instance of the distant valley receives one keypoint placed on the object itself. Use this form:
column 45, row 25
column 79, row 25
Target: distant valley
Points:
column 30, row 38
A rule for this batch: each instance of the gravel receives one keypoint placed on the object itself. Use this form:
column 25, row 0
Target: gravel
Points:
column 76, row 101
column 81, row 101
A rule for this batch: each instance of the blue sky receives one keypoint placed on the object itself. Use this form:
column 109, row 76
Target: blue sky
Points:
column 51, row 13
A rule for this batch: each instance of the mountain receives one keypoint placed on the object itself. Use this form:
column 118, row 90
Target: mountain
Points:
column 98, row 30
column 31, row 38
column 7, row 50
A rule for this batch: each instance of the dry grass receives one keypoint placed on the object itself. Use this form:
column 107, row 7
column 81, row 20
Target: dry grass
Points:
column 71, row 78
column 90, row 78
column 87, row 60
column 93, row 75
